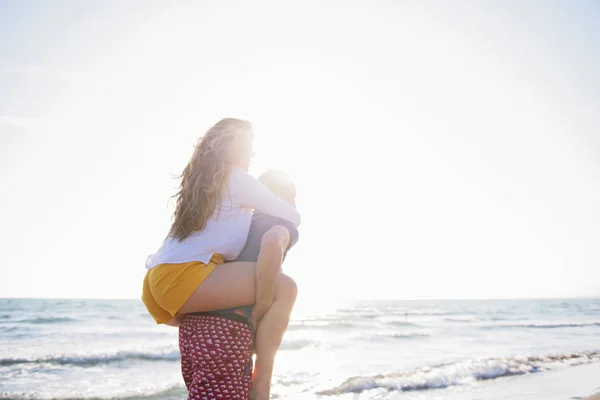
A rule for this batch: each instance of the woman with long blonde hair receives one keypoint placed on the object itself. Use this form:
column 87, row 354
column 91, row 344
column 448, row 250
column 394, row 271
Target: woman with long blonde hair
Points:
column 210, row 225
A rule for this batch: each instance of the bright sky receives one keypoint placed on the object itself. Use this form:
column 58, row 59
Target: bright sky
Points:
column 440, row 149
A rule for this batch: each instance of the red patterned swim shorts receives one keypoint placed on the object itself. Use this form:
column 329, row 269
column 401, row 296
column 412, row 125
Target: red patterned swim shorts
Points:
column 216, row 356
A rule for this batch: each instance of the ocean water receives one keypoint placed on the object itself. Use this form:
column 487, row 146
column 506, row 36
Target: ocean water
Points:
column 509, row 349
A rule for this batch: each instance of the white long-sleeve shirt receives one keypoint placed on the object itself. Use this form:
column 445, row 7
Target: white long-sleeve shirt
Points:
column 227, row 229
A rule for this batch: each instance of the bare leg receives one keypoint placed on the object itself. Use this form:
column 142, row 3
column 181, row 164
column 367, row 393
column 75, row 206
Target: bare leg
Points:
column 229, row 285
column 233, row 285
column 272, row 251
column 275, row 295
column 243, row 283
column 269, row 335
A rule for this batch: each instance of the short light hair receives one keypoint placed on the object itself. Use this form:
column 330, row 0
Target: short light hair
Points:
column 279, row 183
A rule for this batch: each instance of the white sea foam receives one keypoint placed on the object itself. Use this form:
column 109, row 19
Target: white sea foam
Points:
column 461, row 373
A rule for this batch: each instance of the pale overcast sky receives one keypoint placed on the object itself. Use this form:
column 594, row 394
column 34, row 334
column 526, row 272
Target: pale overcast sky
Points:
column 440, row 149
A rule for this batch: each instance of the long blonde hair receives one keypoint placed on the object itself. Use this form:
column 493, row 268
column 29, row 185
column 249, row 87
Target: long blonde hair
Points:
column 205, row 176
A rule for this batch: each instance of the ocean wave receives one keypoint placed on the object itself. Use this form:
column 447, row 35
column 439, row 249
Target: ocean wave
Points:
column 545, row 325
column 401, row 323
column 430, row 311
column 46, row 320
column 402, row 335
column 95, row 359
column 323, row 324
column 461, row 373
column 360, row 311
column 177, row 391
column 298, row 344
column 6, row 329
column 465, row 319
column 19, row 332
column 369, row 315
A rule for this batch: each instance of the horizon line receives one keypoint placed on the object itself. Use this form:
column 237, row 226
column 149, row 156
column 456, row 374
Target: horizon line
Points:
column 585, row 297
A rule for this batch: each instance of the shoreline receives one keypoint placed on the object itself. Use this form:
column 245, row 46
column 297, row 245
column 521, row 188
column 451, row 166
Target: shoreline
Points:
column 576, row 383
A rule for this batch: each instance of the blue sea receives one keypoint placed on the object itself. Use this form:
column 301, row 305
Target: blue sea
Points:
column 476, row 349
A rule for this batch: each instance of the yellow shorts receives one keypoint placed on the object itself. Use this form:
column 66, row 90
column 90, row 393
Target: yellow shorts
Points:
column 168, row 286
